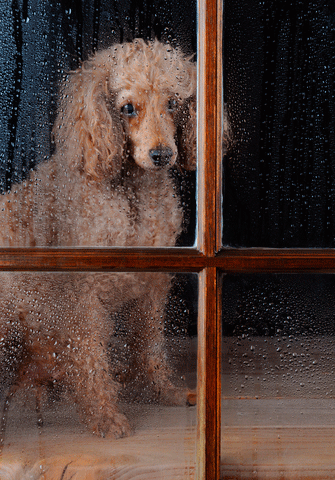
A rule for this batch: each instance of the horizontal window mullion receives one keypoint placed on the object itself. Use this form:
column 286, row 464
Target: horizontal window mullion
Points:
column 176, row 259
column 276, row 260
column 94, row 259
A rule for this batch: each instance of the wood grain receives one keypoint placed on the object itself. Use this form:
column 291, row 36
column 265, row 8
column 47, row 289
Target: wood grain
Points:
column 209, row 225
column 209, row 119
column 276, row 260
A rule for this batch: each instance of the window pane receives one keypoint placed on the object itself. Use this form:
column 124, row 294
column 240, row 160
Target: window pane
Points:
column 278, row 374
column 97, row 370
column 279, row 85
column 105, row 155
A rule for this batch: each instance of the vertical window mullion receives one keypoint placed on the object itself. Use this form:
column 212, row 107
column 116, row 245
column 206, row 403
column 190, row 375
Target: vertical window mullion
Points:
column 209, row 191
column 209, row 385
column 209, row 121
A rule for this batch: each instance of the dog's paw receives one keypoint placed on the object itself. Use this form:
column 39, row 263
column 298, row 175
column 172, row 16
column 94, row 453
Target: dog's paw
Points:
column 116, row 426
column 120, row 427
column 191, row 397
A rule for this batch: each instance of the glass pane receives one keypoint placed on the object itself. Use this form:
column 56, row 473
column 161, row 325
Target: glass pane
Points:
column 279, row 86
column 278, row 371
column 101, row 153
column 98, row 375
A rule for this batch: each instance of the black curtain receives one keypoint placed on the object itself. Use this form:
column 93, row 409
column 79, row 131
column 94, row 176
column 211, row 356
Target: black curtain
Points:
column 42, row 40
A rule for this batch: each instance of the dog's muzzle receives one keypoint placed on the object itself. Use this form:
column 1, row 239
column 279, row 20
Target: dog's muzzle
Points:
column 161, row 156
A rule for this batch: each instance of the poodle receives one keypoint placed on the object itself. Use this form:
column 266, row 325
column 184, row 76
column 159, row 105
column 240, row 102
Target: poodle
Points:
column 126, row 119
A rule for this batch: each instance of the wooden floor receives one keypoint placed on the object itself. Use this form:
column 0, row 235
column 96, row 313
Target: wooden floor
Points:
column 162, row 446
column 278, row 409
column 278, row 422
column 278, row 439
column 272, row 438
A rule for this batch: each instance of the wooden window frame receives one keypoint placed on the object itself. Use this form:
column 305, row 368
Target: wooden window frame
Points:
column 209, row 259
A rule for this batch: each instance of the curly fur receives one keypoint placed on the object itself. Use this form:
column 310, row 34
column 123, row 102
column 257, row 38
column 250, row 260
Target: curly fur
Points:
column 105, row 185
column 20, row 472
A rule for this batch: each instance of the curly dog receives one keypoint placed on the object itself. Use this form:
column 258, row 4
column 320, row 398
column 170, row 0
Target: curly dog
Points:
column 125, row 118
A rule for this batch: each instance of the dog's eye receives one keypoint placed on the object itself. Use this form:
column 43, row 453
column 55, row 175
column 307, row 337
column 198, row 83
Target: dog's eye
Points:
column 172, row 105
column 128, row 110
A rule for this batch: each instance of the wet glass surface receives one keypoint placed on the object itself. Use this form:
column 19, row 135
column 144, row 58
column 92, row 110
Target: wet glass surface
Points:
column 105, row 155
column 97, row 149
column 278, row 372
column 279, row 89
column 98, row 374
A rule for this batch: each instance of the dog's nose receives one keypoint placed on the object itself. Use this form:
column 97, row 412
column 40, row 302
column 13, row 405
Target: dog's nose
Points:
column 161, row 156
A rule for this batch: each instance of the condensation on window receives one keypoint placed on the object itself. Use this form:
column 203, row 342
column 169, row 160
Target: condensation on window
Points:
column 98, row 374
column 97, row 139
column 278, row 372
column 279, row 87
column 97, row 148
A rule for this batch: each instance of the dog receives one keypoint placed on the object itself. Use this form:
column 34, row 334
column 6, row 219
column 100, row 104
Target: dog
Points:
column 126, row 119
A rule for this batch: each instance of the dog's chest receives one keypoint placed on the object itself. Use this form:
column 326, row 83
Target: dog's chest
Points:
column 154, row 209
column 141, row 211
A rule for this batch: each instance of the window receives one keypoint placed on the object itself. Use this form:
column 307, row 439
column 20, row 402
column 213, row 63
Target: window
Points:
column 212, row 259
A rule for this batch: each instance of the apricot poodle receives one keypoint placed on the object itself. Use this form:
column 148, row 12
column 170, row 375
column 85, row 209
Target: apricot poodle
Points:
column 126, row 117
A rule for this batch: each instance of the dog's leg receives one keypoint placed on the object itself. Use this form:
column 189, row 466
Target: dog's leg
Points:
column 158, row 368
column 4, row 418
column 94, row 391
column 148, row 343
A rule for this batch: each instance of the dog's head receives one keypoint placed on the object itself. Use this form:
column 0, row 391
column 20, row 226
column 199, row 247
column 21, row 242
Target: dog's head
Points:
column 132, row 100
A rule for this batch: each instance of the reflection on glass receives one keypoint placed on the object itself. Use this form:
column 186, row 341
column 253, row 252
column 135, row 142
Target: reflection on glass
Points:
column 100, row 153
column 278, row 372
column 279, row 177
column 97, row 371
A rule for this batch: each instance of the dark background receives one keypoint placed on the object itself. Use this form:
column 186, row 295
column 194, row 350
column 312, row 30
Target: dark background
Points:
column 279, row 60
column 290, row 305
column 279, row 188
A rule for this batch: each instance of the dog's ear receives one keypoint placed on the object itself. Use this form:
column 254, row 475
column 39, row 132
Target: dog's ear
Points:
column 187, row 141
column 86, row 130
column 187, row 137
